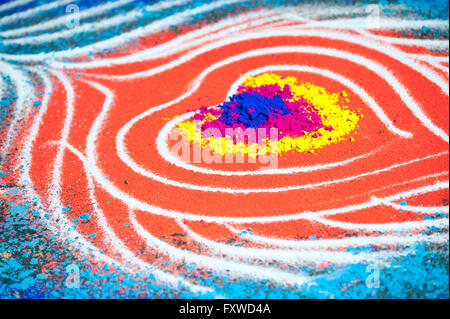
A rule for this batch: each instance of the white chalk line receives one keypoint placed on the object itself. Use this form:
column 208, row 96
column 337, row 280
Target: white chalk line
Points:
column 120, row 247
column 429, row 43
column 61, row 21
column 384, row 23
column 12, row 4
column 285, row 188
column 430, row 238
column 184, row 42
column 59, row 224
column 204, row 260
column 380, row 201
column 132, row 202
column 241, row 269
column 76, row 241
column 344, row 242
column 286, row 255
column 398, row 226
column 93, row 26
column 23, row 93
column 287, row 31
column 124, row 37
column 297, row 31
column 102, row 222
column 287, row 14
column 409, row 101
column 33, row 11
column 417, row 209
column 430, row 58
column 139, row 205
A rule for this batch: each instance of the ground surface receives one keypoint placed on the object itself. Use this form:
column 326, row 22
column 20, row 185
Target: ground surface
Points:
column 95, row 202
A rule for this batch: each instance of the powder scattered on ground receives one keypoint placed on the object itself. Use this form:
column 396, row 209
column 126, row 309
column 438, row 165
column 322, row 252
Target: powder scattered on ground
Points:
column 306, row 117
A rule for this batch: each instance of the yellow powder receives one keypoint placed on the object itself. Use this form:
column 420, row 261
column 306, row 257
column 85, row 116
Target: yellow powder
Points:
column 330, row 106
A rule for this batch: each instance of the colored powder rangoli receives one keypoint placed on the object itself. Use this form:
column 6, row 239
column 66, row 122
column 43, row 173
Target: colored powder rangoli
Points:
column 305, row 117
column 101, row 197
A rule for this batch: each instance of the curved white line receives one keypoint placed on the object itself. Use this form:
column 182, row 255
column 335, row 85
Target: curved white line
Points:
column 33, row 11
column 416, row 209
column 12, row 4
column 23, row 93
column 239, row 269
column 183, row 42
column 400, row 90
column 93, row 26
column 59, row 217
column 114, row 240
column 430, row 43
column 397, row 226
column 384, row 23
column 58, row 162
column 54, row 23
column 430, row 58
column 296, row 31
column 136, row 204
column 102, row 222
column 205, row 260
column 34, row 129
column 133, row 203
column 294, row 256
column 122, row 38
column 2, row 86
column 62, row 228
column 277, row 189
column 116, row 243
column 344, row 242
column 123, row 154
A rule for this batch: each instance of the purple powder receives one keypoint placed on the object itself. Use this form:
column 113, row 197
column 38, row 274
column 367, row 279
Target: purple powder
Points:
column 266, row 106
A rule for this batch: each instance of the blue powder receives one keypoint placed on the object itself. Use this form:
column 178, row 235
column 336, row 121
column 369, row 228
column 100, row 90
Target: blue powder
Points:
column 251, row 110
